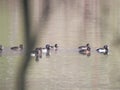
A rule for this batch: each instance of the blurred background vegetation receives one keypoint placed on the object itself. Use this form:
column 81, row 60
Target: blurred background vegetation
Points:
column 66, row 22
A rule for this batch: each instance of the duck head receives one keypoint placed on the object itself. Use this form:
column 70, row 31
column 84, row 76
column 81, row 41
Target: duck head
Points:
column 56, row 45
column 106, row 47
column 47, row 46
column 88, row 45
column 21, row 46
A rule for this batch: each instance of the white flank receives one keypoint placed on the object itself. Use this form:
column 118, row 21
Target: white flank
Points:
column 33, row 54
column 44, row 50
column 102, row 50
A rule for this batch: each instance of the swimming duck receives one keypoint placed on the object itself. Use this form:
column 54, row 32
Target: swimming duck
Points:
column 103, row 50
column 85, row 51
column 20, row 47
column 45, row 50
column 38, row 54
column 1, row 48
column 33, row 53
column 84, row 47
column 55, row 47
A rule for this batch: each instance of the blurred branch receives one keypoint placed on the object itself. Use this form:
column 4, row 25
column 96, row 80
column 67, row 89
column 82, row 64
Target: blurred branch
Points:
column 30, row 40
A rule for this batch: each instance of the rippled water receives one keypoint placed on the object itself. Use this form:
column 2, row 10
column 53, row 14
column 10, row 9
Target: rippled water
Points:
column 66, row 69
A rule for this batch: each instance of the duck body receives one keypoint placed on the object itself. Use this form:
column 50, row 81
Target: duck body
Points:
column 84, row 47
column 44, row 50
column 103, row 50
column 55, row 47
column 41, row 51
column 15, row 48
column 33, row 53
column 1, row 48
column 37, row 52
column 85, row 51
column 47, row 50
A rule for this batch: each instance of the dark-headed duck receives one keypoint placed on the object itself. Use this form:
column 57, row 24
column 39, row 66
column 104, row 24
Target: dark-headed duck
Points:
column 103, row 50
column 84, row 47
column 1, row 48
column 85, row 51
column 20, row 47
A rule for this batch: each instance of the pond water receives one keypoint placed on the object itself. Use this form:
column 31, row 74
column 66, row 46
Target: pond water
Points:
column 66, row 69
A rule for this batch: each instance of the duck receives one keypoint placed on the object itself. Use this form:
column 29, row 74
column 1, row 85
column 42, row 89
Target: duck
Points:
column 1, row 48
column 38, row 53
column 45, row 50
column 84, row 47
column 85, row 51
column 33, row 53
column 103, row 50
column 20, row 47
column 55, row 47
